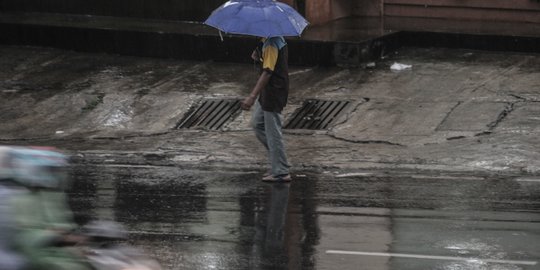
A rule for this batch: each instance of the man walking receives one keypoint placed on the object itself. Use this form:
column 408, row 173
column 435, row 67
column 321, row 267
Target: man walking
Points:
column 272, row 89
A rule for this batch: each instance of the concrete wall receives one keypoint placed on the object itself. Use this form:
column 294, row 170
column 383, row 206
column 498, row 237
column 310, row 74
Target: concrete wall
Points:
column 316, row 11
column 185, row 10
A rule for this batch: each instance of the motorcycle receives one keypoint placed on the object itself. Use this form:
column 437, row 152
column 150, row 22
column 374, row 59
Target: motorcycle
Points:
column 39, row 177
column 105, row 249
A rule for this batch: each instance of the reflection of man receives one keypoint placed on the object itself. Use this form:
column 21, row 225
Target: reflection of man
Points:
column 275, row 234
column 270, row 249
column 272, row 90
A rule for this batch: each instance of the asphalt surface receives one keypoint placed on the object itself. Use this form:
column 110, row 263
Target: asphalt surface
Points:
column 203, row 219
column 432, row 167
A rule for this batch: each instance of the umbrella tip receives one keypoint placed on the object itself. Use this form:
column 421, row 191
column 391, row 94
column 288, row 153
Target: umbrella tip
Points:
column 220, row 35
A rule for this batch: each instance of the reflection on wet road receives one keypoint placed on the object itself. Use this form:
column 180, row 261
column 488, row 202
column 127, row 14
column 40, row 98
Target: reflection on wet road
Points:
column 192, row 219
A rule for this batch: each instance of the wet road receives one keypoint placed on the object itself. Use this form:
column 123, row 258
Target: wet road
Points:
column 191, row 219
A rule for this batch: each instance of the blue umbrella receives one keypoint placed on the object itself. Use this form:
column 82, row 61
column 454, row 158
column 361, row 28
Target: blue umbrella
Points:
column 261, row 18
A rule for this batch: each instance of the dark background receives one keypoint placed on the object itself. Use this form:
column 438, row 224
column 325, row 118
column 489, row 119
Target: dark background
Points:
column 184, row 10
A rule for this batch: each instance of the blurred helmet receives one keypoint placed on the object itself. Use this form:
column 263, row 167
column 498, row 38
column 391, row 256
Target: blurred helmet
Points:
column 33, row 167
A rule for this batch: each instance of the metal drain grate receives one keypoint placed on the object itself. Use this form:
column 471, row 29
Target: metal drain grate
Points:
column 211, row 114
column 316, row 114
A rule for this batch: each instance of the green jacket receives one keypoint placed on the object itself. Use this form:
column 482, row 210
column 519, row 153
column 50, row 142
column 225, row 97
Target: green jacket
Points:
column 42, row 217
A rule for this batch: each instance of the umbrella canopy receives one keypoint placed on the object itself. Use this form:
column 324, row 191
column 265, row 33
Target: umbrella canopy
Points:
column 261, row 18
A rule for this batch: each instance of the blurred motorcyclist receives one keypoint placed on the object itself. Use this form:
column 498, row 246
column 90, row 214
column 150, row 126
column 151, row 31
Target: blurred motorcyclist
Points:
column 44, row 221
column 9, row 259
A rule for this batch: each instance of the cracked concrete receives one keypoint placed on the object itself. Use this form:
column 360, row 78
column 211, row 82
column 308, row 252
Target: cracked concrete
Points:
column 508, row 108
column 454, row 111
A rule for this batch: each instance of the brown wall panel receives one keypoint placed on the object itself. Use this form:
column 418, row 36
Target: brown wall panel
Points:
column 463, row 13
column 488, row 4
column 369, row 8
column 461, row 26
column 318, row 12
column 322, row 11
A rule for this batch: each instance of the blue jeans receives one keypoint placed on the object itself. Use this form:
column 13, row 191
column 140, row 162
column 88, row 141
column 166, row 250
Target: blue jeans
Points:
column 267, row 127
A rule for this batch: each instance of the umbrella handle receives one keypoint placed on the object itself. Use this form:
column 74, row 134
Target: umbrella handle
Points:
column 220, row 36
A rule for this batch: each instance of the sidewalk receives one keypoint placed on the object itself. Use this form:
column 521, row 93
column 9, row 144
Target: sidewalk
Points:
column 454, row 111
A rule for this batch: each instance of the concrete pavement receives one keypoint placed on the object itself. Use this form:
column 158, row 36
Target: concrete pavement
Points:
column 453, row 111
column 433, row 167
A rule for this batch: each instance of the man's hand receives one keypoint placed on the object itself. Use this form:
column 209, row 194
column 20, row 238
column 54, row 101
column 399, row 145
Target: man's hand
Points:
column 261, row 84
column 255, row 55
column 247, row 103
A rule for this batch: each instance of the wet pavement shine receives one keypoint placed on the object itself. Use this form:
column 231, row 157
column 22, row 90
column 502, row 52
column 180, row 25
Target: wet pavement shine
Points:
column 206, row 219
column 434, row 167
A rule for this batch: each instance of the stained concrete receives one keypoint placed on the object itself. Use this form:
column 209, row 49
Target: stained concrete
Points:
column 441, row 159
column 454, row 110
column 487, row 114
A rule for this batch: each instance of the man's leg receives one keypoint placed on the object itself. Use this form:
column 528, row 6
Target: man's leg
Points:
column 257, row 123
column 276, row 148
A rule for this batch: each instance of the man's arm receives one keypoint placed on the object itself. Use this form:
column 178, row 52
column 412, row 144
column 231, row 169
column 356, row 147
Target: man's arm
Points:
column 261, row 84
column 269, row 60
column 256, row 55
